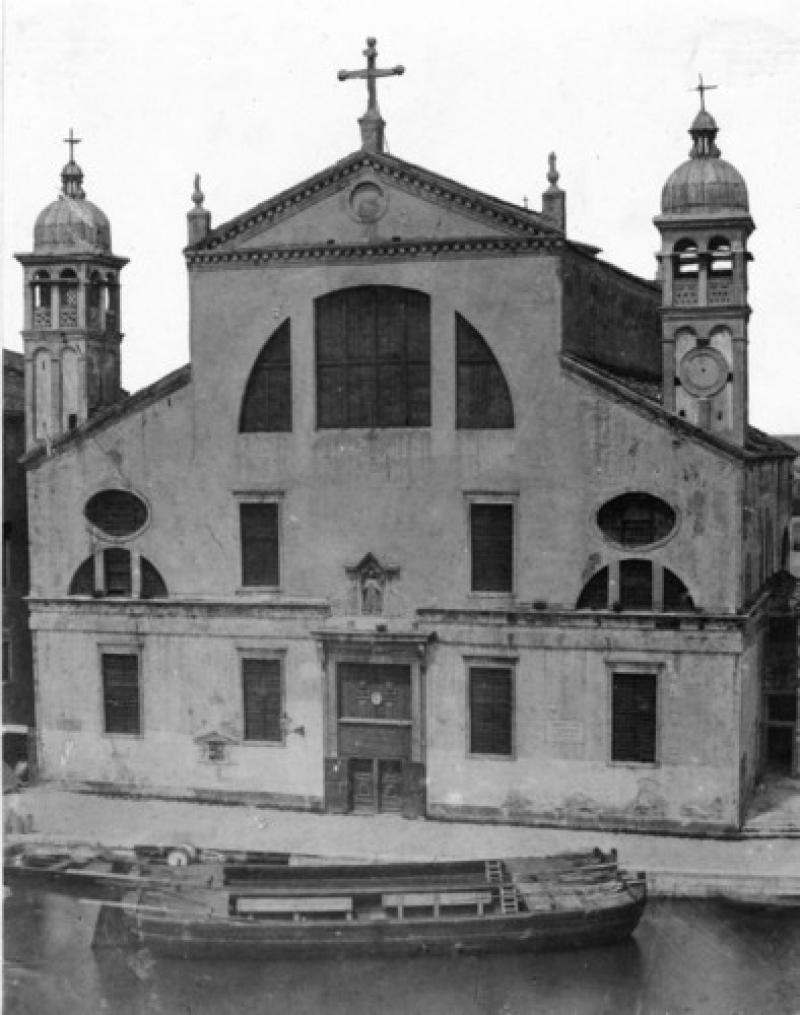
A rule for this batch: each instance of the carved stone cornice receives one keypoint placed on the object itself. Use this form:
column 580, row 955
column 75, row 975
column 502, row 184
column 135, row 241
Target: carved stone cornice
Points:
column 484, row 246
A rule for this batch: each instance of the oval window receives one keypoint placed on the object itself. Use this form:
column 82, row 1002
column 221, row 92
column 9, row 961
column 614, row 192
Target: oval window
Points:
column 636, row 519
column 116, row 512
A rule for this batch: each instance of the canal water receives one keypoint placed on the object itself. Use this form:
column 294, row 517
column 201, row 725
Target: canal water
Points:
column 686, row 957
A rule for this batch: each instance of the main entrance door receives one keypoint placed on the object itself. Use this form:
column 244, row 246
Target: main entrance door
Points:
column 374, row 732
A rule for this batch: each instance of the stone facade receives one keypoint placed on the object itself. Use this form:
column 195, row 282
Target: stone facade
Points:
column 443, row 620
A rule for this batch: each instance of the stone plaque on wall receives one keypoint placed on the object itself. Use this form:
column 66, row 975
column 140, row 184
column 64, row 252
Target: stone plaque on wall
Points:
column 559, row 732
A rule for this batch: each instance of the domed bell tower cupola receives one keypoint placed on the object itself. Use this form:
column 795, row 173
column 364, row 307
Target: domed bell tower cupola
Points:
column 72, row 312
column 704, row 224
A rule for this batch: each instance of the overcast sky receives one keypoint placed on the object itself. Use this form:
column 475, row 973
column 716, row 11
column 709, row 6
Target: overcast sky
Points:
column 246, row 93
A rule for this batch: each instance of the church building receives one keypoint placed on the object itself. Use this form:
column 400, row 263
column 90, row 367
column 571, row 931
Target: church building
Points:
column 445, row 516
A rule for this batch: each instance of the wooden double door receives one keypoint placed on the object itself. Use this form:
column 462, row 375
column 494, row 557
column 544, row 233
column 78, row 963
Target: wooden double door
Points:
column 376, row 784
column 373, row 769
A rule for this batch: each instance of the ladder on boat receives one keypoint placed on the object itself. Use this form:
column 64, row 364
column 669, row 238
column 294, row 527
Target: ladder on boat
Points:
column 496, row 876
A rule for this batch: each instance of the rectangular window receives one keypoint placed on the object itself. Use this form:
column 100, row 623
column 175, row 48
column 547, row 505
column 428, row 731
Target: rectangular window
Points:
column 490, row 710
column 633, row 732
column 121, row 693
column 259, row 528
column 636, row 584
column 6, row 661
column 492, row 547
column 117, row 571
column 263, row 699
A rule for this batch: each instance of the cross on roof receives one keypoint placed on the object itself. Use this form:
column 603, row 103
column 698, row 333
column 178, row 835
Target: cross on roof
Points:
column 371, row 73
column 71, row 141
column 703, row 89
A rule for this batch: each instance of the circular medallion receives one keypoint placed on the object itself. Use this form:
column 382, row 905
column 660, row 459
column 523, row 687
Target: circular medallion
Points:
column 376, row 698
column 703, row 371
column 367, row 202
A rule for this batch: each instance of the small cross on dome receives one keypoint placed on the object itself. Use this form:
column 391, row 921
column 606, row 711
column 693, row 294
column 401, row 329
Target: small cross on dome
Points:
column 72, row 141
column 703, row 88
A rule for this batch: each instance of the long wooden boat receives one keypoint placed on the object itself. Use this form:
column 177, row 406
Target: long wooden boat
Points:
column 106, row 872
column 264, row 911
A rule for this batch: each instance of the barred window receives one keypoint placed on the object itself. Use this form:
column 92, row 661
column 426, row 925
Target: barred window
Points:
column 260, row 544
column 117, row 571
column 263, row 699
column 490, row 710
column 633, row 735
column 153, row 586
column 483, row 400
column 121, row 693
column 373, row 358
column 636, row 584
column 636, row 519
column 492, row 547
column 116, row 513
column 267, row 404
column 116, row 577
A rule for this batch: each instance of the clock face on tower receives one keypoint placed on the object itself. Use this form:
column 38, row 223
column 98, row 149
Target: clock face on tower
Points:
column 703, row 372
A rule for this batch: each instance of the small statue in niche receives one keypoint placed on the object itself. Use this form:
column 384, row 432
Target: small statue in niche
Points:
column 372, row 593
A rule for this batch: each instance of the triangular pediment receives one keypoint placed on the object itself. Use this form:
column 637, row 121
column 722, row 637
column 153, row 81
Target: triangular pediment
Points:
column 375, row 199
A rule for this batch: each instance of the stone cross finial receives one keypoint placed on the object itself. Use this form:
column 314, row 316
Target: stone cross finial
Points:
column 71, row 141
column 702, row 88
column 371, row 123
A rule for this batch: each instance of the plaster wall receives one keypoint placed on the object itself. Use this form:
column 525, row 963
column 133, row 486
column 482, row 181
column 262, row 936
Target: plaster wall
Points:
column 561, row 770
column 190, row 685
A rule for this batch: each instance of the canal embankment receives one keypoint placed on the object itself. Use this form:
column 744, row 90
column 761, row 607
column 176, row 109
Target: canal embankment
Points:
column 761, row 865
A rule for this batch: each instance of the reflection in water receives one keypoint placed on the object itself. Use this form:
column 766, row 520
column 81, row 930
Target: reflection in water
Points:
column 685, row 957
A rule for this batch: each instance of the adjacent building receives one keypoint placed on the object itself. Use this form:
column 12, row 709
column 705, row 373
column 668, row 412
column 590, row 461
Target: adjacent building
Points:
column 17, row 668
column 445, row 516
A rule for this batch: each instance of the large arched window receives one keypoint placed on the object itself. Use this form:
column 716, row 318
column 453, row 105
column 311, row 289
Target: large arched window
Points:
column 267, row 403
column 373, row 347
column 483, row 400
column 640, row 585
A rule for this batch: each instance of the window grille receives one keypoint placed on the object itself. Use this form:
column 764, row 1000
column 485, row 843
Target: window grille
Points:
column 492, row 544
column 490, row 710
column 636, row 584
column 267, row 404
column 121, row 693
column 634, row 717
column 483, row 400
column 260, row 547
column 263, row 699
column 373, row 358
column 117, row 571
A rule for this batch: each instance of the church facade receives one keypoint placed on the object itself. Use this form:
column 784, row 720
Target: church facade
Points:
column 446, row 515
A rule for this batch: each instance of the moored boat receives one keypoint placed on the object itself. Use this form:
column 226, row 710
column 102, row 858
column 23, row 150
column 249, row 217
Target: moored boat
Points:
column 238, row 911
column 106, row 872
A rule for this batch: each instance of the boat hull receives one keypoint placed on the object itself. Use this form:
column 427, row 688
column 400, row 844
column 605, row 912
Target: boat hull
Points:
column 207, row 938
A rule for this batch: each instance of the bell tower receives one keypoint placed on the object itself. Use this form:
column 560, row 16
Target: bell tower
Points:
column 72, row 322
column 705, row 224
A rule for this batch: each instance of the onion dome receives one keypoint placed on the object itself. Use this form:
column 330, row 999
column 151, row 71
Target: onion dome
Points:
column 705, row 186
column 71, row 224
